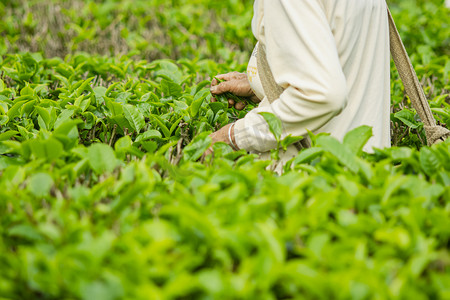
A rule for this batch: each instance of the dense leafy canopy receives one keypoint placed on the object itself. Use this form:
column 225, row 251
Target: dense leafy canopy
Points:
column 104, row 193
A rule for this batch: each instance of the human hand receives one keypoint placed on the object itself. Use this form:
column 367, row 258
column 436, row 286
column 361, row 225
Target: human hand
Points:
column 235, row 83
column 221, row 135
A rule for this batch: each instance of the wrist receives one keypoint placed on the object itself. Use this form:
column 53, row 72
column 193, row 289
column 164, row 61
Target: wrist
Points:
column 231, row 137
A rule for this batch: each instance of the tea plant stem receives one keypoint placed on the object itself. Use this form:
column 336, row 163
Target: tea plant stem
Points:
column 113, row 134
column 420, row 138
column 92, row 133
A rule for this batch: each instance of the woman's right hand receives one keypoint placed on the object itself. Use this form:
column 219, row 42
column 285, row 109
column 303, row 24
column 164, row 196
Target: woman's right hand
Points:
column 236, row 83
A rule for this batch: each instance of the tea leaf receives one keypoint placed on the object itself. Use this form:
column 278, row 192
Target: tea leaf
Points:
column 274, row 123
column 101, row 158
column 170, row 88
column 357, row 138
column 340, row 151
column 149, row 134
column 7, row 135
column 307, row 155
column 197, row 147
column 429, row 161
column 134, row 117
column 40, row 184
column 407, row 117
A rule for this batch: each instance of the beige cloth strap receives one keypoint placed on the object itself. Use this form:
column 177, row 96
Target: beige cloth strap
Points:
column 407, row 74
column 271, row 89
column 413, row 88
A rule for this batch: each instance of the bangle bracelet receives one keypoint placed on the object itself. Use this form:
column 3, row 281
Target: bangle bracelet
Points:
column 235, row 148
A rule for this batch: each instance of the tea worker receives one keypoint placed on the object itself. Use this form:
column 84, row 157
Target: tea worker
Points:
column 330, row 57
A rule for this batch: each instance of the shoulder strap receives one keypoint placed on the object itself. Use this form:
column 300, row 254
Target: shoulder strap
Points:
column 412, row 86
column 408, row 76
column 271, row 89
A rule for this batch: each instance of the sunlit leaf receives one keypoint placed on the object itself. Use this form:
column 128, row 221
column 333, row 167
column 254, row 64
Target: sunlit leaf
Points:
column 101, row 158
column 407, row 117
column 340, row 151
column 357, row 138
column 197, row 147
column 134, row 117
column 274, row 123
column 429, row 161
column 40, row 184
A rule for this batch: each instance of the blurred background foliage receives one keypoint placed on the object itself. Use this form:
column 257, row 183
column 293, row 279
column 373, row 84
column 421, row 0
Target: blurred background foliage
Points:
column 150, row 29
column 174, row 29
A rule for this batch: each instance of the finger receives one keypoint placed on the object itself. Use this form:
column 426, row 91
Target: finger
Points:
column 231, row 102
column 222, row 76
column 213, row 99
column 222, row 87
column 229, row 76
column 240, row 105
column 214, row 82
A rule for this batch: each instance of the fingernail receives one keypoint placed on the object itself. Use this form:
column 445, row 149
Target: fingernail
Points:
column 213, row 89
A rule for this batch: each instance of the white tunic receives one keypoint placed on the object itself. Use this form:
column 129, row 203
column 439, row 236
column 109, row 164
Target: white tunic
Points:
column 332, row 58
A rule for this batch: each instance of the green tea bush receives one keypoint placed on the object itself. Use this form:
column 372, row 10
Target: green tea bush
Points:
column 150, row 29
column 103, row 196
column 104, row 193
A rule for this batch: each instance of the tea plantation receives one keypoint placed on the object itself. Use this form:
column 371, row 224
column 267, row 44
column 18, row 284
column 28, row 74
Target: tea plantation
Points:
column 105, row 113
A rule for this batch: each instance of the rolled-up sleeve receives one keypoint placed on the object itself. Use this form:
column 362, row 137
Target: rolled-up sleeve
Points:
column 303, row 57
